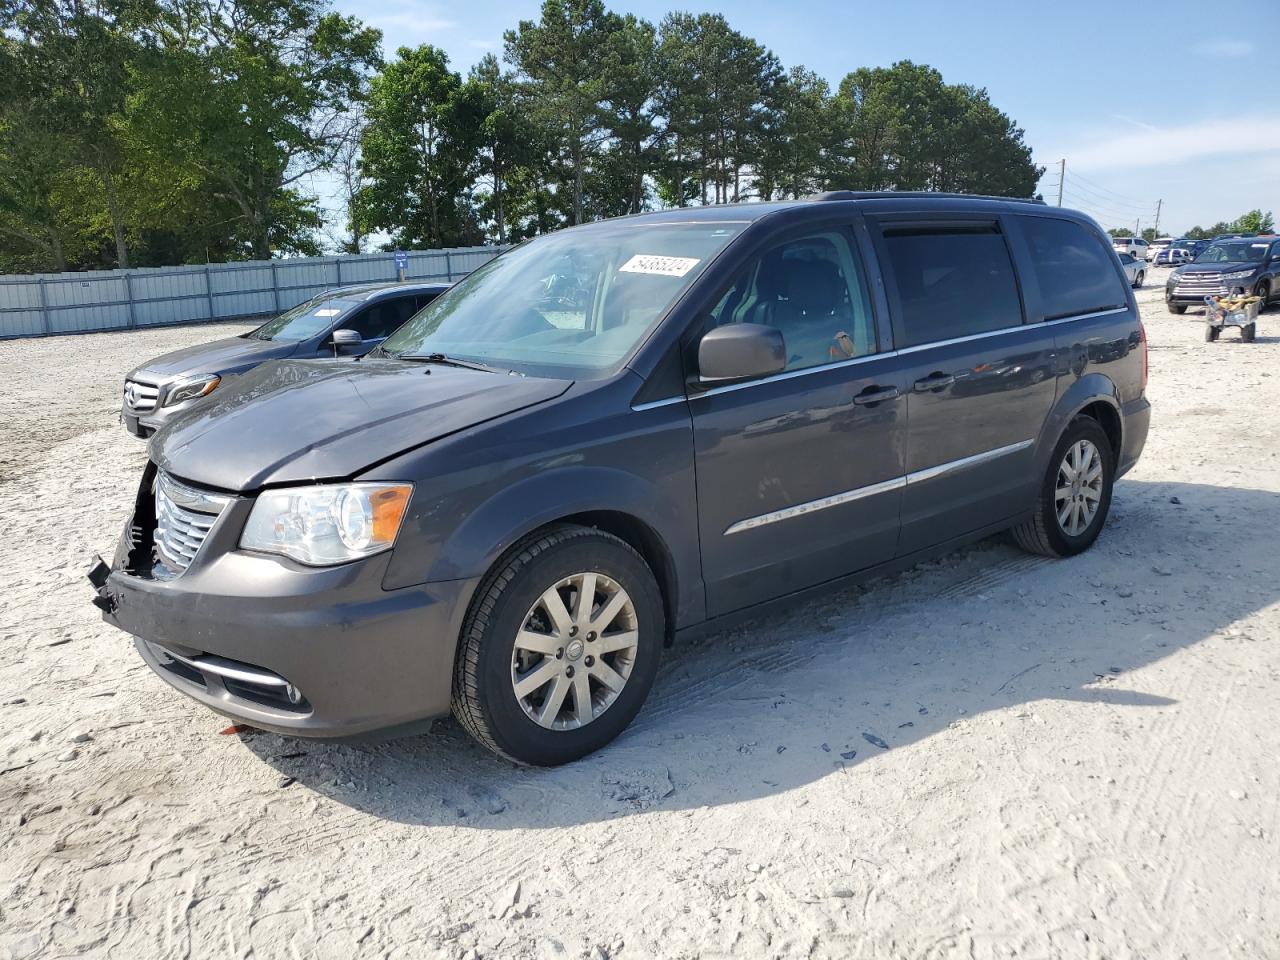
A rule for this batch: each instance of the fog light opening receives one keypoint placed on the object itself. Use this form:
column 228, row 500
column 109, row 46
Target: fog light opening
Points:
column 293, row 693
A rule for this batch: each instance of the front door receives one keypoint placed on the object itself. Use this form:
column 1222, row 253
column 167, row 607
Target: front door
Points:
column 799, row 475
column 980, row 381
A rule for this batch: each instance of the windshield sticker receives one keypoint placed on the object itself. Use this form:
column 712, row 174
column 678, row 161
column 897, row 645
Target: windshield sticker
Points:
column 327, row 312
column 660, row 266
column 1258, row 246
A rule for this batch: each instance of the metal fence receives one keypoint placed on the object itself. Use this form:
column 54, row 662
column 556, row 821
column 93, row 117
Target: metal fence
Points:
column 52, row 303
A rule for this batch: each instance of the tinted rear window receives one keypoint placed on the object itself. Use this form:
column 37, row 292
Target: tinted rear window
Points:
column 1075, row 272
column 951, row 283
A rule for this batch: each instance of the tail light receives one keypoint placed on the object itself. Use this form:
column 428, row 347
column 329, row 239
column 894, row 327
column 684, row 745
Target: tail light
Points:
column 1146, row 366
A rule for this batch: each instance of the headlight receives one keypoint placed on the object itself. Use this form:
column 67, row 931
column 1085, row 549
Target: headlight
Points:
column 329, row 524
column 190, row 389
column 1239, row 274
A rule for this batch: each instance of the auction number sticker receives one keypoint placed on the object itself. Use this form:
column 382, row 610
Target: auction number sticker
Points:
column 661, row 266
column 327, row 312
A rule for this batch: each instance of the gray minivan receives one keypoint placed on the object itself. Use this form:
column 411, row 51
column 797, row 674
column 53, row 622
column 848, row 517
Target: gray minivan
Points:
column 619, row 433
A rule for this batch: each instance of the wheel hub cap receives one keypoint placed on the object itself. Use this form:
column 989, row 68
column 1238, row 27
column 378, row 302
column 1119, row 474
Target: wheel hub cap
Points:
column 1078, row 491
column 574, row 651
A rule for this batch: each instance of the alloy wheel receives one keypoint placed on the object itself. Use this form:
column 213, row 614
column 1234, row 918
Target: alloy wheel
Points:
column 575, row 651
column 1079, row 488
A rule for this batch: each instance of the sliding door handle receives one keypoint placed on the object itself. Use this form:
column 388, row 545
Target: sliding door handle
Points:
column 876, row 394
column 936, row 382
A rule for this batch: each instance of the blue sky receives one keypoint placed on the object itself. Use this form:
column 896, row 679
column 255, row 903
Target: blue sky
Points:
column 1176, row 101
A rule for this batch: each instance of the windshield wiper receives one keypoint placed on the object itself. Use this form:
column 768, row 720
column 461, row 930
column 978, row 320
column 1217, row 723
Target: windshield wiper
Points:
column 446, row 360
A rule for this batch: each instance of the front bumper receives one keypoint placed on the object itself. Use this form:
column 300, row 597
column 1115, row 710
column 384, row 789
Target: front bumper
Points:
column 360, row 661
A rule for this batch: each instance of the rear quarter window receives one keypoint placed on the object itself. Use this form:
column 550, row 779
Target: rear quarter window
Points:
column 1074, row 269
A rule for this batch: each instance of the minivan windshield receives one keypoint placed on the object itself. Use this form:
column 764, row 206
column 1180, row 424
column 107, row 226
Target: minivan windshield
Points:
column 568, row 304
column 1234, row 251
column 304, row 321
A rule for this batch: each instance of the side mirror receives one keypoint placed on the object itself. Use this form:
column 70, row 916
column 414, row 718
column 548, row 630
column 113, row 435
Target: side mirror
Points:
column 345, row 338
column 740, row 351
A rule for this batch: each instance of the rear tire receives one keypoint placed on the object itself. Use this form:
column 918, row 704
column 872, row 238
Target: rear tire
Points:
column 512, row 639
column 1248, row 332
column 1047, row 533
column 1178, row 308
column 1140, row 279
column 1210, row 333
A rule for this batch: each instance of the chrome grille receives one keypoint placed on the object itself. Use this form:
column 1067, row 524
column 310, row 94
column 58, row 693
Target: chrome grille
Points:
column 139, row 396
column 184, row 517
column 1207, row 284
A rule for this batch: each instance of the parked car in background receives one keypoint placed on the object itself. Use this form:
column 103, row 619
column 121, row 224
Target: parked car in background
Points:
column 1157, row 246
column 1135, row 246
column 1179, row 252
column 348, row 321
column 1134, row 269
column 513, row 505
column 1226, row 267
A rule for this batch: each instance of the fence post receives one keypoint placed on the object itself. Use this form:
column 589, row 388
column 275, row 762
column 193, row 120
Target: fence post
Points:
column 208, row 291
column 275, row 285
column 448, row 266
column 45, row 319
column 128, row 292
column 338, row 263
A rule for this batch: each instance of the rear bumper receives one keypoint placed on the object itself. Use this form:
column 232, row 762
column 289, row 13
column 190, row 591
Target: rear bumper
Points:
column 1137, row 422
column 360, row 661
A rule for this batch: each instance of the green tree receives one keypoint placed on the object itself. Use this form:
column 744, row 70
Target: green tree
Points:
column 1255, row 221
column 560, row 58
column 904, row 128
column 256, row 101
column 508, row 140
column 799, row 138
column 419, row 150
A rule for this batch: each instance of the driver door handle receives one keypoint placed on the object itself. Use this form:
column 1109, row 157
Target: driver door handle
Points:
column 876, row 394
column 937, row 381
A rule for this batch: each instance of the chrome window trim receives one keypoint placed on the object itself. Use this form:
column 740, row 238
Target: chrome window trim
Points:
column 654, row 404
column 871, row 490
column 892, row 353
column 792, row 374
column 1085, row 316
column 835, row 500
column 952, row 466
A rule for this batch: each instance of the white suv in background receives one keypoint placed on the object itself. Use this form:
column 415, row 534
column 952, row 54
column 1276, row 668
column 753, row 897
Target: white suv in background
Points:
column 1159, row 245
column 1134, row 246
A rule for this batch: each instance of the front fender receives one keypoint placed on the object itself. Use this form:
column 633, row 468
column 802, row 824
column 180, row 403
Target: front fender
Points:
column 541, row 499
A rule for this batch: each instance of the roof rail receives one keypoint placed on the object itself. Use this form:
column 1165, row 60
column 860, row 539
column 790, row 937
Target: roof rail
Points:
column 886, row 194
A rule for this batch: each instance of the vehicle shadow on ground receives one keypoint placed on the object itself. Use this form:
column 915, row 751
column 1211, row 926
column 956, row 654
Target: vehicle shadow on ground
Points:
column 822, row 687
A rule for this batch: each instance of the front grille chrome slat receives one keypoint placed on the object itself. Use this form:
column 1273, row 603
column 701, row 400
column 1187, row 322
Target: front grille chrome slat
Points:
column 141, row 397
column 184, row 517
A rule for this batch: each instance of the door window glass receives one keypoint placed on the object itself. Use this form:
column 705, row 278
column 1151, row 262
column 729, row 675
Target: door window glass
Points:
column 381, row 319
column 1075, row 274
column 812, row 290
column 951, row 282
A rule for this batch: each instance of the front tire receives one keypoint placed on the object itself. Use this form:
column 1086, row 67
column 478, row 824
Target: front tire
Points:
column 1075, row 494
column 560, row 647
column 1248, row 332
column 1177, row 308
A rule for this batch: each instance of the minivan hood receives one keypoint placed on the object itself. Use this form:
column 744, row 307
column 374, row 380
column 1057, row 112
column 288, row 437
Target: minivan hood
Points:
column 297, row 421
column 228, row 355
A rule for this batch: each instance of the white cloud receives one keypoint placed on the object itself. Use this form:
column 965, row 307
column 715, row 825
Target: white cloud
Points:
column 1223, row 47
column 1169, row 145
column 414, row 22
column 479, row 44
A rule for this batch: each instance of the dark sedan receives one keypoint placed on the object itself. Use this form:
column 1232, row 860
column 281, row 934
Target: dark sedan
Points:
column 349, row 321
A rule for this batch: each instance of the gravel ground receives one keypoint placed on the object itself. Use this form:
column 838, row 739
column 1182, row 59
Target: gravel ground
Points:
column 992, row 755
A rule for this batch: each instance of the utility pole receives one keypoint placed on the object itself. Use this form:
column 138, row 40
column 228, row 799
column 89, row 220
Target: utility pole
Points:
column 1062, row 175
column 1158, row 205
column 1136, row 231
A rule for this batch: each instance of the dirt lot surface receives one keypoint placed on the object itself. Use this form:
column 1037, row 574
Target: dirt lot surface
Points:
column 992, row 755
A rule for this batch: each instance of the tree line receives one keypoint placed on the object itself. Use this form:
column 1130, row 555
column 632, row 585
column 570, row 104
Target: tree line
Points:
column 1254, row 221
column 147, row 132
